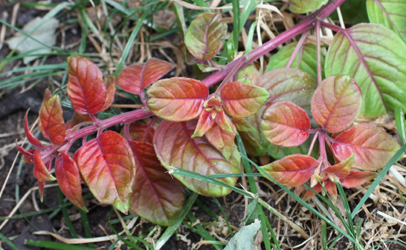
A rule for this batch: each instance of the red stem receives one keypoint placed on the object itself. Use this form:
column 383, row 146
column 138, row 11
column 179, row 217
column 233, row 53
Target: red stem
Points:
column 317, row 28
column 306, row 24
column 298, row 47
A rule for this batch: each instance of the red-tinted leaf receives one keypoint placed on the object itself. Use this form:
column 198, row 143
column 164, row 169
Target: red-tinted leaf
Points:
column 289, row 84
column 110, row 91
column 136, row 77
column 292, row 170
column 41, row 185
column 224, row 122
column 242, row 124
column 175, row 148
column 41, row 172
column 341, row 169
column 86, row 88
column 331, row 188
column 30, row 137
column 372, row 146
column 204, row 124
column 177, row 99
column 309, row 194
column 107, row 166
column 285, row 124
column 26, row 153
column 156, row 196
column 336, row 103
column 221, row 139
column 204, row 37
column 67, row 174
column 242, row 99
column 357, row 178
column 51, row 121
column 140, row 132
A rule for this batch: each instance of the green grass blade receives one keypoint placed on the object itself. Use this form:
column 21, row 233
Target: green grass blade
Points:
column 66, row 215
column 346, row 205
column 224, row 215
column 250, row 37
column 172, row 229
column 130, row 42
column 86, row 226
column 200, row 230
column 324, row 234
column 378, row 179
column 214, row 176
column 8, row 241
column 55, row 245
column 400, row 124
column 236, row 23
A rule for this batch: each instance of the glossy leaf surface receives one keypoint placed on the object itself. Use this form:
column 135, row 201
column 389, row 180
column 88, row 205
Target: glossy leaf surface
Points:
column 289, row 84
column 136, row 77
column 285, row 124
column 389, row 13
column 51, row 121
column 107, row 166
column 177, row 99
column 30, row 137
column 41, row 172
column 303, row 6
column 110, row 91
column 357, row 178
column 242, row 99
column 157, row 196
column 373, row 56
column 86, row 88
column 175, row 148
column 341, row 169
column 336, row 103
column 372, row 146
column 140, row 132
column 221, row 139
column 305, row 60
column 68, row 176
column 292, row 170
column 204, row 37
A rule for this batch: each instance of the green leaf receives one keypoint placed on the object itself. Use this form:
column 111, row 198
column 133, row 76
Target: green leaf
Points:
column 303, row 6
column 252, row 212
column 306, row 59
column 204, row 37
column 389, row 13
column 244, row 239
column 375, row 57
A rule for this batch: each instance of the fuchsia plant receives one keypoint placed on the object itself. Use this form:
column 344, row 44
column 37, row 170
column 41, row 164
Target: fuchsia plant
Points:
column 270, row 112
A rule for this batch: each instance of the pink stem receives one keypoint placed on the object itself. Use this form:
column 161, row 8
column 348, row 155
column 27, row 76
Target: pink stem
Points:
column 306, row 24
column 333, row 27
column 298, row 47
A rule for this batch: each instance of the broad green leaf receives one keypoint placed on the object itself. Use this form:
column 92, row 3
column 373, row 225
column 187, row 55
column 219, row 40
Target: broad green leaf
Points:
column 136, row 77
column 221, row 139
column 41, row 172
column 176, row 149
column 336, row 103
column 372, row 146
column 289, row 84
column 305, row 60
column 303, row 6
column 156, row 196
column 242, row 99
column 292, row 170
column 51, row 121
column 107, row 166
column 244, row 238
column 374, row 56
column 285, row 124
column 249, row 74
column 357, row 178
column 389, row 13
column 86, row 88
column 68, row 177
column 204, row 37
column 177, row 99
